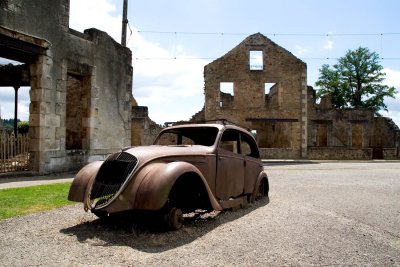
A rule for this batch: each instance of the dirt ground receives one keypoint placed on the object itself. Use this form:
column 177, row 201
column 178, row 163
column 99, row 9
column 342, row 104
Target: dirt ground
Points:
column 320, row 213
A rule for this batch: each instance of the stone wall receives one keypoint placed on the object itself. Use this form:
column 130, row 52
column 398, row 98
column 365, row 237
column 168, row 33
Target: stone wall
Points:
column 62, row 64
column 349, row 133
column 144, row 130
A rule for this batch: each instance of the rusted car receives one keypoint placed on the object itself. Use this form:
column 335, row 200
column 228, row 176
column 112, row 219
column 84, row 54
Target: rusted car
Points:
column 190, row 167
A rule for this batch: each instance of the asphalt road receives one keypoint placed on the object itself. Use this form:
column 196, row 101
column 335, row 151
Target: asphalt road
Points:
column 319, row 214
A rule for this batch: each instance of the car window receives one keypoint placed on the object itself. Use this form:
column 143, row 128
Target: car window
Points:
column 245, row 148
column 248, row 146
column 204, row 136
column 239, row 143
column 168, row 139
column 229, row 141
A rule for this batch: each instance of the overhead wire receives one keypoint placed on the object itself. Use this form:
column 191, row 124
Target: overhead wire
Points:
column 222, row 34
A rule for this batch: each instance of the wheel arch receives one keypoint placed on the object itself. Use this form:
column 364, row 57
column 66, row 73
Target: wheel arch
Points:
column 77, row 191
column 154, row 190
column 262, row 178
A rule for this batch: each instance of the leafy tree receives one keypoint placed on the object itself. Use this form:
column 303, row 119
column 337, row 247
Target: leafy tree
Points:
column 355, row 81
column 23, row 127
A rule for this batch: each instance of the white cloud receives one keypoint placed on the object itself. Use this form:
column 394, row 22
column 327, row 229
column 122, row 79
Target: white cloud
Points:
column 393, row 79
column 328, row 45
column 95, row 14
column 300, row 51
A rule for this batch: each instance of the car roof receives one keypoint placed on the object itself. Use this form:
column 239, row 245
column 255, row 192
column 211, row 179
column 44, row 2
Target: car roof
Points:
column 220, row 126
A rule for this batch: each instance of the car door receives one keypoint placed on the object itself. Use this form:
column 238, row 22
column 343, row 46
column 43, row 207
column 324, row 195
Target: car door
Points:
column 252, row 162
column 230, row 166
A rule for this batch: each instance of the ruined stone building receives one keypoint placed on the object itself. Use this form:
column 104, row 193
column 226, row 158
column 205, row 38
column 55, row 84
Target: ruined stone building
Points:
column 80, row 84
column 349, row 133
column 262, row 86
column 144, row 130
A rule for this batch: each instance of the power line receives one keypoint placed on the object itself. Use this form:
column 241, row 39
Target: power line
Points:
column 269, row 34
column 214, row 58
column 222, row 34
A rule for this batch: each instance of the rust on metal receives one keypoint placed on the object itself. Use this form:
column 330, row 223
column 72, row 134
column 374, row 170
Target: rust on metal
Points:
column 189, row 167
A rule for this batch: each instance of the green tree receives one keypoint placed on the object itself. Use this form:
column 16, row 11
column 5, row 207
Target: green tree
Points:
column 23, row 127
column 355, row 81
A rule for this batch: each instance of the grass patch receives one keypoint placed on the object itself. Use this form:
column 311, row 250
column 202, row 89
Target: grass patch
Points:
column 24, row 200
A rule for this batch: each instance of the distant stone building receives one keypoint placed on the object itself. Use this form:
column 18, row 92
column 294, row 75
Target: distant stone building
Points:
column 263, row 87
column 349, row 133
column 80, row 84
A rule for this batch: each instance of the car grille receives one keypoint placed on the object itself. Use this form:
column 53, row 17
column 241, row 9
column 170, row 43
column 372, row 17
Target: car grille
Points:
column 112, row 175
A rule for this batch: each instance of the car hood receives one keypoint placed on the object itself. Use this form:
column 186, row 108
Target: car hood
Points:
column 147, row 153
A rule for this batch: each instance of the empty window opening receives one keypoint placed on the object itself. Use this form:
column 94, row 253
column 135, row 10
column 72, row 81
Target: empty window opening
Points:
column 256, row 60
column 268, row 87
column 226, row 94
column 77, row 110
column 227, row 88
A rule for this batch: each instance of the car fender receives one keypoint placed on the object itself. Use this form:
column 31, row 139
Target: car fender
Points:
column 157, row 182
column 77, row 191
column 260, row 177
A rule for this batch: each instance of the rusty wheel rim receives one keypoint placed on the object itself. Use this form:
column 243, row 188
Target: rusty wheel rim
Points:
column 175, row 218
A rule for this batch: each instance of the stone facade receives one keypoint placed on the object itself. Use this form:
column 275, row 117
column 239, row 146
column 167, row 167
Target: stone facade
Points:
column 268, row 94
column 80, row 84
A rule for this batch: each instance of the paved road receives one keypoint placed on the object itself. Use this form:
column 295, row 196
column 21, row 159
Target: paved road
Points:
column 319, row 214
column 338, row 213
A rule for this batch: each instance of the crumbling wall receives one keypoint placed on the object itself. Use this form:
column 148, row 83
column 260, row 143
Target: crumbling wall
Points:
column 349, row 133
column 57, row 55
column 277, row 114
column 144, row 130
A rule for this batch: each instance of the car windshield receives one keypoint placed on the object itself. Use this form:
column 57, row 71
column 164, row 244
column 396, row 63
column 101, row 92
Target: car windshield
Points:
column 204, row 136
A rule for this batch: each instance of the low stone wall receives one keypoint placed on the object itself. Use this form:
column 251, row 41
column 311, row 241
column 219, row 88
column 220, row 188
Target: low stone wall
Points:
column 391, row 153
column 339, row 153
column 279, row 153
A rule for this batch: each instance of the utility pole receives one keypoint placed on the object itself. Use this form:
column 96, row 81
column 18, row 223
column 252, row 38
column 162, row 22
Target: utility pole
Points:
column 16, row 87
column 124, row 22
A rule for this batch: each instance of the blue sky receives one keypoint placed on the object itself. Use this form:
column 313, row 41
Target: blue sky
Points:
column 173, row 40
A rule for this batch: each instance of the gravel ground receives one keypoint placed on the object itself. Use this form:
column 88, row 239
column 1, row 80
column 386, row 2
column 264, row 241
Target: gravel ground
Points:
column 318, row 214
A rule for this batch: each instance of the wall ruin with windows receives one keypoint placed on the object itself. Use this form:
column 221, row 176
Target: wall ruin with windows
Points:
column 267, row 93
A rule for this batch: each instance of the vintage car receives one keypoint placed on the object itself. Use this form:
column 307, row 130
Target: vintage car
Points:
column 213, row 166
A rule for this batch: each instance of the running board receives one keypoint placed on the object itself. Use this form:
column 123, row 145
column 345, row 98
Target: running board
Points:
column 234, row 203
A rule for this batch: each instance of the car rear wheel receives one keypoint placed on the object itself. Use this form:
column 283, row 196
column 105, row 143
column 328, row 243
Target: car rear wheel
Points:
column 174, row 218
column 262, row 190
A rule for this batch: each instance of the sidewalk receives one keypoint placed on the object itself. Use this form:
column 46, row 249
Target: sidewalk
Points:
column 14, row 182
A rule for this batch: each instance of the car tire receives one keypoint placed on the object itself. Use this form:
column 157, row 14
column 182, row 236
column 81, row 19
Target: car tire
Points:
column 261, row 192
column 174, row 218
